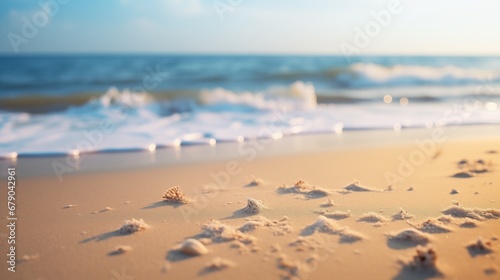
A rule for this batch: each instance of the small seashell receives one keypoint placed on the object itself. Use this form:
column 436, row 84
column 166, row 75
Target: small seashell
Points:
column 193, row 247
column 175, row 195
column 254, row 206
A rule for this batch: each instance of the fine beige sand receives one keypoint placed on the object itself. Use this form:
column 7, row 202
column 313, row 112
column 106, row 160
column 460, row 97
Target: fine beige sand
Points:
column 315, row 215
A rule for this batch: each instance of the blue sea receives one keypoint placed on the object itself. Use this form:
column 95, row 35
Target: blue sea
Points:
column 75, row 104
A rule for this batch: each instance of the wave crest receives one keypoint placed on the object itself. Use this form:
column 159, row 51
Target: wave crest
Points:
column 127, row 98
column 299, row 96
column 406, row 75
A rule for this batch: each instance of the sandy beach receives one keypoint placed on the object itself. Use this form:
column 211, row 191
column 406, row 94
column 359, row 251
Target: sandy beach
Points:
column 323, row 213
column 200, row 140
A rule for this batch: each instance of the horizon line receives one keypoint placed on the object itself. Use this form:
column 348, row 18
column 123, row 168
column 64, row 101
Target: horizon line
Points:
column 65, row 53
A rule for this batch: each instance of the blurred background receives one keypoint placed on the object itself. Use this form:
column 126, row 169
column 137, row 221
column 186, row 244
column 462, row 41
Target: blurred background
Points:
column 165, row 73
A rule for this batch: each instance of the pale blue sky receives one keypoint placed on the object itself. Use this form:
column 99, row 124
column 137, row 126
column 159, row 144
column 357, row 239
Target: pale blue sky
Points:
column 428, row 27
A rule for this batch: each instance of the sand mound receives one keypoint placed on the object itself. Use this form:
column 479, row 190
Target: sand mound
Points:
column 304, row 243
column 356, row 186
column 454, row 191
column 446, row 219
column 402, row 215
column 243, row 248
column 278, row 227
column 472, row 168
column 297, row 269
column 328, row 203
column 106, row 209
column 305, row 189
column 480, row 246
column 131, row 226
column 490, row 270
column 468, row 223
column 220, row 232
column 372, row 217
column 410, row 235
column 425, row 259
column 459, row 211
column 254, row 182
column 122, row 249
column 293, row 269
column 337, row 215
column 349, row 236
column 480, row 169
column 432, row 225
column 250, row 226
column 219, row 264
column 325, row 225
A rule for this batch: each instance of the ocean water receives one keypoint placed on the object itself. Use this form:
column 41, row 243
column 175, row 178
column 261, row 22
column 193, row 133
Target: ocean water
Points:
column 94, row 103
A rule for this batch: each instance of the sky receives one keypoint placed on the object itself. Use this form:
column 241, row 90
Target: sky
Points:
column 404, row 27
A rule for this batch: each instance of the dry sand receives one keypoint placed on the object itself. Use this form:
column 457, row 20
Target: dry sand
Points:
column 70, row 242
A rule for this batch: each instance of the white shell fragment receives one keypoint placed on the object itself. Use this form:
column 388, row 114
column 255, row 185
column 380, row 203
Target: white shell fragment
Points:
column 254, row 206
column 193, row 247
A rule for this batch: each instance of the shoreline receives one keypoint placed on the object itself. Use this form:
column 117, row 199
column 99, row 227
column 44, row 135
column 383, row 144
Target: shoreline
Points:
column 254, row 148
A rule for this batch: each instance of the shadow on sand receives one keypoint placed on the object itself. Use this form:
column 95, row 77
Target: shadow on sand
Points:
column 240, row 213
column 407, row 273
column 103, row 236
column 175, row 255
column 161, row 203
column 401, row 245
